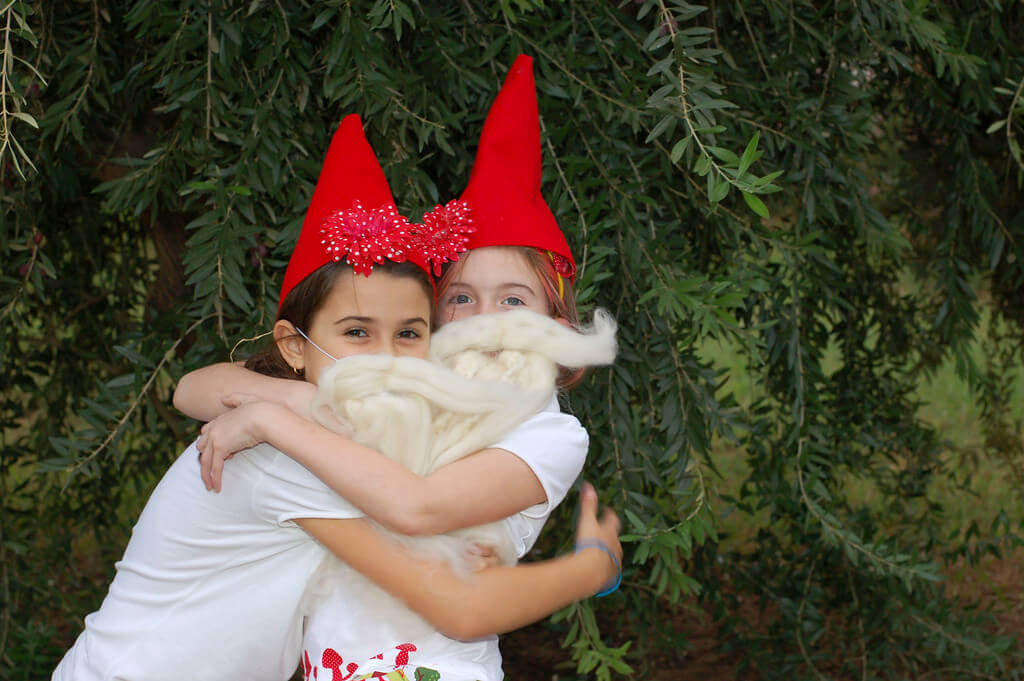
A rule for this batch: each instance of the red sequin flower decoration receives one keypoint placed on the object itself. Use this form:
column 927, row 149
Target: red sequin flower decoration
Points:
column 366, row 237
column 444, row 233
column 563, row 265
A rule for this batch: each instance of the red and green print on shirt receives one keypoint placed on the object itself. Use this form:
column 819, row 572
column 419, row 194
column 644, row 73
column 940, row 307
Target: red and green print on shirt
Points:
column 332, row 661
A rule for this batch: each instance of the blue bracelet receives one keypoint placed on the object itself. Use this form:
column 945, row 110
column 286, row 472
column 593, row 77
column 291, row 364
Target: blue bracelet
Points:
column 598, row 544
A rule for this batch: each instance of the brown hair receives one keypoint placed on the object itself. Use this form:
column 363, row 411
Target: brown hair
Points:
column 305, row 300
column 559, row 306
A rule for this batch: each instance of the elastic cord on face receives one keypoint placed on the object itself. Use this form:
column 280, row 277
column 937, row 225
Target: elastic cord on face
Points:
column 561, row 285
column 310, row 340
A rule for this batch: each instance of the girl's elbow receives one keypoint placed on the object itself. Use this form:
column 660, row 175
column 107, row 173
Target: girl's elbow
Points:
column 463, row 624
column 179, row 398
column 186, row 400
column 412, row 519
column 408, row 523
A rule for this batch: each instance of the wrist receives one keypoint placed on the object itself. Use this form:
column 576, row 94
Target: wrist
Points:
column 268, row 418
column 300, row 397
column 611, row 567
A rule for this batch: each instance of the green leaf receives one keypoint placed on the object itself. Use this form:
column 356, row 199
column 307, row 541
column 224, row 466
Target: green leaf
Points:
column 756, row 204
column 660, row 128
column 749, row 155
column 723, row 154
column 679, row 148
column 703, row 165
column 996, row 126
column 24, row 117
column 721, row 190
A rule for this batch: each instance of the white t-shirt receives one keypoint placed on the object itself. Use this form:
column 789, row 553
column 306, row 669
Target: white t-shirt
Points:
column 344, row 634
column 554, row 445
column 211, row 585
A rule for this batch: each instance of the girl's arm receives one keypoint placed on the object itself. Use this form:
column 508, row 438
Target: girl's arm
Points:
column 481, row 488
column 200, row 394
column 492, row 601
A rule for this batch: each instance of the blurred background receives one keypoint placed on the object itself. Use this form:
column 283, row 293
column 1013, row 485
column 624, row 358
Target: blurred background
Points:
column 807, row 217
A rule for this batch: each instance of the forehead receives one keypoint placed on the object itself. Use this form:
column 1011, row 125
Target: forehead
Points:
column 495, row 265
column 381, row 295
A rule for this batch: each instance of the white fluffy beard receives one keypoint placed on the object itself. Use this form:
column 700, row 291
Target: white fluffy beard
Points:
column 486, row 375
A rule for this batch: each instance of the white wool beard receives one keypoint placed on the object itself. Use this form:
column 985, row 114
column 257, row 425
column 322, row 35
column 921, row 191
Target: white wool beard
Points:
column 491, row 373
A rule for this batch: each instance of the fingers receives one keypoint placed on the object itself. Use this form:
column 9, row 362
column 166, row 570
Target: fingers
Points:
column 610, row 519
column 216, row 471
column 481, row 557
column 588, row 499
column 203, row 445
column 204, row 470
column 212, row 468
column 588, row 507
column 586, row 522
column 205, row 461
column 601, row 534
column 210, row 465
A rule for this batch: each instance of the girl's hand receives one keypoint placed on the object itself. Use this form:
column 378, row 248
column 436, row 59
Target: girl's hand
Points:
column 590, row 531
column 231, row 432
column 482, row 557
column 296, row 395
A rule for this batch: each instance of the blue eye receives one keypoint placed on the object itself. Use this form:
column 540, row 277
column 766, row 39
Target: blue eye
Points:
column 460, row 299
column 513, row 300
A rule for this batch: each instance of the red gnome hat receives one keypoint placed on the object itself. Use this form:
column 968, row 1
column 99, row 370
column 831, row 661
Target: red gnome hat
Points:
column 350, row 174
column 504, row 187
column 352, row 216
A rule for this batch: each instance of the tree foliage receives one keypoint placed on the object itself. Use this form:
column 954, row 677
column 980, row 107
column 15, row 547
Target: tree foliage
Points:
column 829, row 188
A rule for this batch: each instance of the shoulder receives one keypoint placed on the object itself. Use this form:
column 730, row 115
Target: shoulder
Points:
column 551, row 442
column 286, row 490
column 551, row 424
column 276, row 470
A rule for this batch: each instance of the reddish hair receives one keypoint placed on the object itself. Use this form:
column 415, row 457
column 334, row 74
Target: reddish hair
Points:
column 559, row 306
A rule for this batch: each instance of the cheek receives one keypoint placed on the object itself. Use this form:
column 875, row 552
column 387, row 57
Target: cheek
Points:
column 316, row 363
column 313, row 372
column 540, row 306
column 447, row 312
column 454, row 313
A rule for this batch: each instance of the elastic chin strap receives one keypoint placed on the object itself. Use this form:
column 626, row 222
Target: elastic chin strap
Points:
column 310, row 341
column 561, row 284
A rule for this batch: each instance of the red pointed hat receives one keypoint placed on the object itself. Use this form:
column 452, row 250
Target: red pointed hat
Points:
column 352, row 216
column 504, row 187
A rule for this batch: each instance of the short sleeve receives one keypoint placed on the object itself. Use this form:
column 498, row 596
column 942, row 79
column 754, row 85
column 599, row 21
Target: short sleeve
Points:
column 554, row 445
column 287, row 490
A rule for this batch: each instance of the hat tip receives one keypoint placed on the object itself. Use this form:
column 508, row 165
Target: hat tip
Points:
column 351, row 120
column 523, row 61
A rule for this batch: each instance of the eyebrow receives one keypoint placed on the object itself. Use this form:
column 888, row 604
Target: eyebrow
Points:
column 519, row 286
column 505, row 285
column 370, row 320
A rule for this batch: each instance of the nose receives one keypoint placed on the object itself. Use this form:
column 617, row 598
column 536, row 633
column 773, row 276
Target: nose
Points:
column 381, row 346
